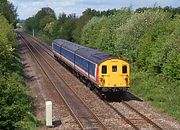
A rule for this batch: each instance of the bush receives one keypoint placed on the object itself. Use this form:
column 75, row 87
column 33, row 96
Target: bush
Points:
column 151, row 42
column 128, row 35
column 14, row 101
column 15, row 104
column 99, row 32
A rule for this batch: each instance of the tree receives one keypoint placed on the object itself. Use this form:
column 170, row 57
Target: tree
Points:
column 29, row 24
column 39, row 18
column 15, row 108
column 41, row 23
column 8, row 10
column 66, row 26
column 99, row 32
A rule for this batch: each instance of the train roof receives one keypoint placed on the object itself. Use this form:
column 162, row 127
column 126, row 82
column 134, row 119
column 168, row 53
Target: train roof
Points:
column 88, row 53
column 67, row 44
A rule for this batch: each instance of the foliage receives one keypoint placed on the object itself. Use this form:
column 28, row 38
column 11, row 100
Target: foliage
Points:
column 15, row 105
column 128, row 35
column 148, row 38
column 88, row 14
column 150, row 41
column 41, row 21
column 173, row 11
column 67, row 27
column 7, row 41
column 156, row 91
column 29, row 25
column 40, row 18
column 14, row 101
column 99, row 32
column 171, row 65
column 91, row 30
column 8, row 10
column 157, row 43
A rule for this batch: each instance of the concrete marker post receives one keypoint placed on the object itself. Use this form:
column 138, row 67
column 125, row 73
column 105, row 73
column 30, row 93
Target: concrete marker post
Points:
column 49, row 114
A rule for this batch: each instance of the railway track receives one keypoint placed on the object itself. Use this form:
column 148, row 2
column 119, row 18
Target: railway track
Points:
column 136, row 120
column 78, row 109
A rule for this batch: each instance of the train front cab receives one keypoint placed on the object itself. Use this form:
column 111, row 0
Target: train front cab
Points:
column 114, row 75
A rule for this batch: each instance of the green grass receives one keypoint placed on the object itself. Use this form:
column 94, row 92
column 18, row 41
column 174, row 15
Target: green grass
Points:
column 157, row 91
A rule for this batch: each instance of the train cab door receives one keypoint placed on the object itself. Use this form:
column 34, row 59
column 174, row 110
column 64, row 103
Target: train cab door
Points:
column 124, row 75
column 104, row 75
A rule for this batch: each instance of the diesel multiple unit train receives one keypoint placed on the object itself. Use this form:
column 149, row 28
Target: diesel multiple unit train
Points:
column 103, row 71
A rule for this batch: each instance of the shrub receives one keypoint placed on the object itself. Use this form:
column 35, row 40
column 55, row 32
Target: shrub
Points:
column 128, row 35
column 15, row 104
column 99, row 31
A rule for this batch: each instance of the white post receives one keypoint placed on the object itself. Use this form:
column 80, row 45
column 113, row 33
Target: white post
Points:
column 33, row 32
column 48, row 113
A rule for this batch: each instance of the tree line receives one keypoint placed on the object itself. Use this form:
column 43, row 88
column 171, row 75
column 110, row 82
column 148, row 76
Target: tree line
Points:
column 48, row 27
column 147, row 37
column 15, row 105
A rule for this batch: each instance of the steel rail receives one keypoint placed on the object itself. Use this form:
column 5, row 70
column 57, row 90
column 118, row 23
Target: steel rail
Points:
column 129, row 120
column 107, row 103
column 72, row 113
column 122, row 116
column 79, row 122
column 143, row 116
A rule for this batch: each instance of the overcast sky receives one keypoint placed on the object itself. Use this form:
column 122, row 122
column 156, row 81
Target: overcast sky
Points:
column 28, row 8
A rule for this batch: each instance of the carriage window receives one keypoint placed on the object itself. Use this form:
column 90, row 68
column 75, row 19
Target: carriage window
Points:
column 114, row 68
column 124, row 69
column 104, row 69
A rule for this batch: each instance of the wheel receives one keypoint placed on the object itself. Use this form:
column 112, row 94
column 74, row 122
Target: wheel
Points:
column 90, row 86
column 55, row 57
column 103, row 96
column 74, row 72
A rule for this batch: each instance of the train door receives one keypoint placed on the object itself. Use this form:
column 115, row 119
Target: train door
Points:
column 124, row 75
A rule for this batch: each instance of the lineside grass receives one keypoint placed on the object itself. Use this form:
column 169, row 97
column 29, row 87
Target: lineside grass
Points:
column 157, row 92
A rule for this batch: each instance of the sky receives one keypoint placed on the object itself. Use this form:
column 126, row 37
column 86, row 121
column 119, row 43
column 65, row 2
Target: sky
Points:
column 28, row 8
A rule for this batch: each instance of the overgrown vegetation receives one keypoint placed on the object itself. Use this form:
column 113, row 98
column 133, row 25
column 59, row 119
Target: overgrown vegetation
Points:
column 15, row 104
column 150, row 41
column 148, row 38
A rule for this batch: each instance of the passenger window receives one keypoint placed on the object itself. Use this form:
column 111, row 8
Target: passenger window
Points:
column 104, row 69
column 114, row 68
column 124, row 69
